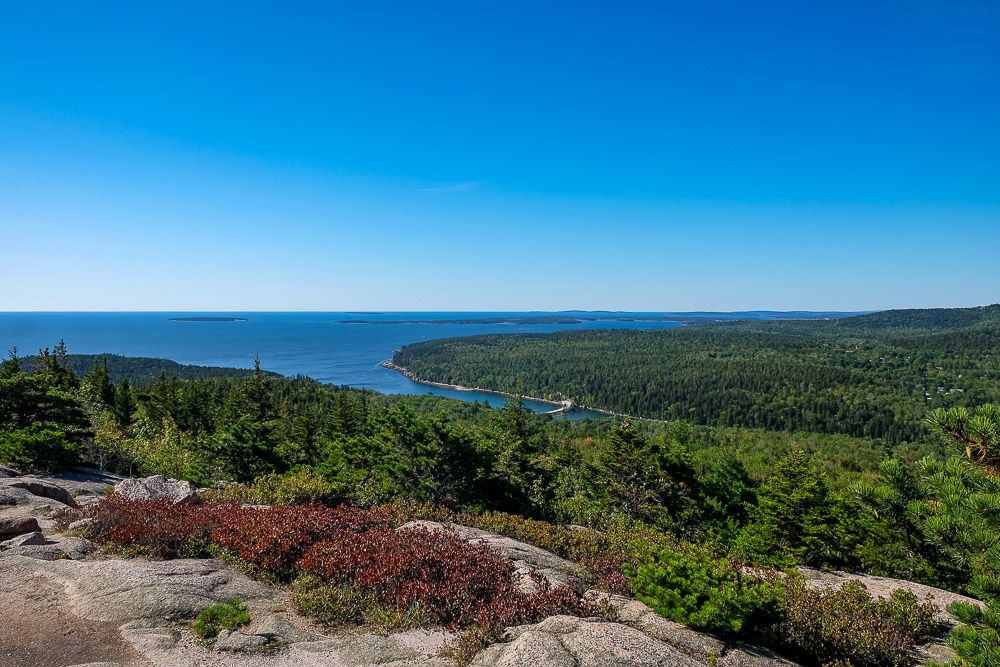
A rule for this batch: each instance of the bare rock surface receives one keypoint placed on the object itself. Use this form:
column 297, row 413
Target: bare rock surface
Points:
column 526, row 557
column 284, row 631
column 45, row 497
column 125, row 590
column 634, row 613
column 77, row 480
column 746, row 655
column 157, row 487
column 574, row 642
column 242, row 642
column 37, row 628
column 165, row 645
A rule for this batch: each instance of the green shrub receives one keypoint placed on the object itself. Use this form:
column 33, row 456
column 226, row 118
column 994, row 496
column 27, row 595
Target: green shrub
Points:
column 227, row 615
column 847, row 624
column 38, row 447
column 333, row 604
column 339, row 604
column 977, row 642
column 692, row 586
column 300, row 487
column 386, row 619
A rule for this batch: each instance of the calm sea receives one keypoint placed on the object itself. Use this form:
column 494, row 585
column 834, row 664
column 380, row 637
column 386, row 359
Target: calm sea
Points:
column 325, row 346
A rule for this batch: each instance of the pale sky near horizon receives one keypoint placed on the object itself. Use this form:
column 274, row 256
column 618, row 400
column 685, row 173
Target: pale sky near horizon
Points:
column 654, row 156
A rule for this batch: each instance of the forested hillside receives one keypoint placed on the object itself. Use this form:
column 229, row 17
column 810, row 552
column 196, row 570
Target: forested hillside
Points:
column 672, row 512
column 138, row 370
column 867, row 376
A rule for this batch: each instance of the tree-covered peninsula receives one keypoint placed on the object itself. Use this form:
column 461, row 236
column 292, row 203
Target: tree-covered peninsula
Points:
column 867, row 376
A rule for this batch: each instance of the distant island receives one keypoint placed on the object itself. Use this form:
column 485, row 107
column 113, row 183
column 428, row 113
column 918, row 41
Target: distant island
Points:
column 209, row 319
column 581, row 317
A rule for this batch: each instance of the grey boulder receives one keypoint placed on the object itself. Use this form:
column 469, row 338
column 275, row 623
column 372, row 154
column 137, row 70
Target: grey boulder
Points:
column 241, row 642
column 157, row 487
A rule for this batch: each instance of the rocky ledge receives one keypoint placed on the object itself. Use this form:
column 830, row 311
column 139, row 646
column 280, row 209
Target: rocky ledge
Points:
column 65, row 604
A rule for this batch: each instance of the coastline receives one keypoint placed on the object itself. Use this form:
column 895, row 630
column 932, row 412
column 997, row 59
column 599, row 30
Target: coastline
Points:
column 564, row 406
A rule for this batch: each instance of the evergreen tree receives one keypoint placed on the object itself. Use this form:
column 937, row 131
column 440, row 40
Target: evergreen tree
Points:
column 10, row 366
column 795, row 519
column 728, row 494
column 98, row 382
column 54, row 365
column 124, row 404
column 627, row 476
column 978, row 433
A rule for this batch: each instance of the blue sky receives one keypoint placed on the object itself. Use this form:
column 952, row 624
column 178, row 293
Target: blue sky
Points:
column 499, row 156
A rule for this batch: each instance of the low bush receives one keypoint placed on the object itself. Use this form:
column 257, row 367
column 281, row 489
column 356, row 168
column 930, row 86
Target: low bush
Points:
column 227, row 615
column 275, row 539
column 301, row 487
column 848, row 625
column 367, row 567
column 473, row 640
column 158, row 528
column 339, row 605
column 602, row 553
column 456, row 582
column 332, row 604
column 692, row 586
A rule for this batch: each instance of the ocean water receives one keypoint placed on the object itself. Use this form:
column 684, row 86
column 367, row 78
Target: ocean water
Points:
column 330, row 347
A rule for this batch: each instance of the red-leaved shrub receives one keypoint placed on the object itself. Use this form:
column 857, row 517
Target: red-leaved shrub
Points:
column 275, row 539
column 454, row 582
column 450, row 579
column 158, row 527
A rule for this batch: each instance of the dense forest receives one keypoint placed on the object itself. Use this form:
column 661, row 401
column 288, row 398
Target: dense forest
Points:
column 872, row 375
column 138, row 370
column 671, row 511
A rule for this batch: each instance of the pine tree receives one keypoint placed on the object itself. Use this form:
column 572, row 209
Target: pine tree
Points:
column 124, row 405
column 795, row 519
column 54, row 366
column 10, row 366
column 98, row 381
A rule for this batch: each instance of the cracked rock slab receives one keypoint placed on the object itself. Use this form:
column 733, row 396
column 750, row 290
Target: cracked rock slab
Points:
column 44, row 489
column 125, row 590
column 639, row 616
column 574, row 642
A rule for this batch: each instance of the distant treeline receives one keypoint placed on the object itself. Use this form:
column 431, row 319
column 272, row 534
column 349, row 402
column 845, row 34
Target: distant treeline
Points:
column 868, row 376
column 138, row 370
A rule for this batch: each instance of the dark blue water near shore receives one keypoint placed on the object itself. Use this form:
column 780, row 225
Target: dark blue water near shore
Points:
column 325, row 346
